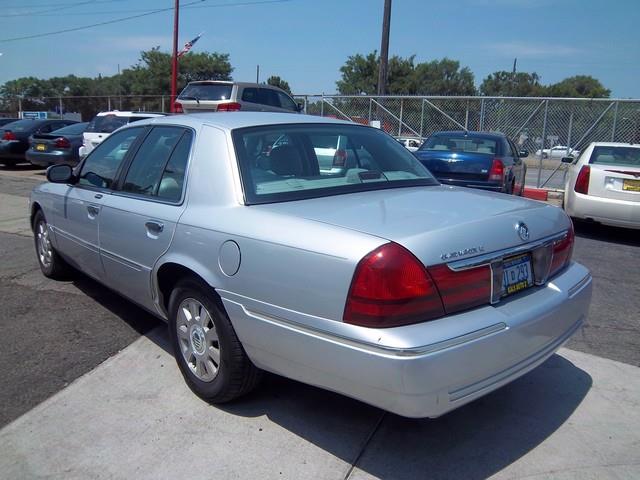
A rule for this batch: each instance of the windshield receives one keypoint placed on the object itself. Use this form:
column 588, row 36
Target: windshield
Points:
column 291, row 162
column 206, row 91
column 75, row 129
column 106, row 123
column 460, row 143
column 628, row 156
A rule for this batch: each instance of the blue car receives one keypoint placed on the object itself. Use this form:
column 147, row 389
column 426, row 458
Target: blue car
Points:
column 490, row 161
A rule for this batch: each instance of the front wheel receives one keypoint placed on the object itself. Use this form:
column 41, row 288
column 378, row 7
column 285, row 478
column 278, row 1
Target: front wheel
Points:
column 51, row 264
column 206, row 347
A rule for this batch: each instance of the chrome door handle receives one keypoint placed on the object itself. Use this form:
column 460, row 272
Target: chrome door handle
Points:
column 155, row 227
column 93, row 210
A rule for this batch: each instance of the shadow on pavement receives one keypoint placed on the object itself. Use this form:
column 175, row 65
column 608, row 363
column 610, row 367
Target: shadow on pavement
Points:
column 473, row 442
column 597, row 231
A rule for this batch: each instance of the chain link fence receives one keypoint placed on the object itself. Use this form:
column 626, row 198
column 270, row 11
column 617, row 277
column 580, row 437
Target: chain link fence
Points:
column 535, row 124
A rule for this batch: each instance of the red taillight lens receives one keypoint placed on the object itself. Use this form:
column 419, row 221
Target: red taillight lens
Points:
column 582, row 182
column 62, row 142
column 390, row 288
column 9, row 136
column 340, row 158
column 177, row 108
column 496, row 174
column 562, row 251
column 229, row 107
column 463, row 289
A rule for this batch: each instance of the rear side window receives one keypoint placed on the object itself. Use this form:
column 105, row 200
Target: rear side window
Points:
column 101, row 166
column 250, row 95
column 159, row 165
column 457, row 143
column 627, row 156
column 206, row 91
column 106, row 123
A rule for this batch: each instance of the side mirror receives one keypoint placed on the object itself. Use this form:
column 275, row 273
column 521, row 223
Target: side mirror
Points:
column 59, row 174
column 568, row 159
column 523, row 153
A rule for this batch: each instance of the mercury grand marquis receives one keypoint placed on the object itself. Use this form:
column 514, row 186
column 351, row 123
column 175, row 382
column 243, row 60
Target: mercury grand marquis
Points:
column 369, row 278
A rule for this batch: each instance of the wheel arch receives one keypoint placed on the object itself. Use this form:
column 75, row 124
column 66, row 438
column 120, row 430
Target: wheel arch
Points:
column 35, row 207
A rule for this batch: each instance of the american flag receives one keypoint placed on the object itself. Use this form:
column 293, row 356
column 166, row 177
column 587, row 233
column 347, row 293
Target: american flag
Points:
column 188, row 45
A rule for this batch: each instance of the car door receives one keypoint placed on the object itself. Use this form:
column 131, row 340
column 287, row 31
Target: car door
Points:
column 77, row 210
column 138, row 220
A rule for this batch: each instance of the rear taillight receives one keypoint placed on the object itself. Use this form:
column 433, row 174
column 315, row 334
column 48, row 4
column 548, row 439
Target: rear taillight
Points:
column 62, row 142
column 9, row 136
column 390, row 287
column 562, row 250
column 340, row 158
column 582, row 182
column 462, row 289
column 496, row 174
column 229, row 107
column 177, row 108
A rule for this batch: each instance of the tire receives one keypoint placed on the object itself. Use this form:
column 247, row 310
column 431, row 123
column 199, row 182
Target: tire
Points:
column 50, row 261
column 202, row 335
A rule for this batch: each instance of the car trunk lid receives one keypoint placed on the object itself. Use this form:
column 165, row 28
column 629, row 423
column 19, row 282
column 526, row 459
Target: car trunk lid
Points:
column 457, row 166
column 615, row 182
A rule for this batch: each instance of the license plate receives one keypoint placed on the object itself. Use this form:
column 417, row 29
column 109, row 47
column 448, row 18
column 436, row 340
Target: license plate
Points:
column 631, row 185
column 516, row 274
column 41, row 147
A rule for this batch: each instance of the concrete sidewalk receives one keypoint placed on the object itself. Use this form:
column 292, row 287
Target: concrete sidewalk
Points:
column 576, row 416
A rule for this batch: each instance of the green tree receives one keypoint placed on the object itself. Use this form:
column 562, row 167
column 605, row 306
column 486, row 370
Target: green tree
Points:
column 509, row 84
column 279, row 82
column 584, row 86
column 359, row 75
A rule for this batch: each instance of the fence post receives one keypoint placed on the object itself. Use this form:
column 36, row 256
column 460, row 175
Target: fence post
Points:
column 615, row 122
column 162, row 103
column 544, row 136
column 322, row 105
column 401, row 113
column 370, row 107
column 422, row 120
column 109, row 103
column 466, row 117
column 306, row 100
column 482, row 114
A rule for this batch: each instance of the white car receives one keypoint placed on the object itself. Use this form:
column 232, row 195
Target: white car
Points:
column 603, row 185
column 410, row 143
column 104, row 123
column 557, row 152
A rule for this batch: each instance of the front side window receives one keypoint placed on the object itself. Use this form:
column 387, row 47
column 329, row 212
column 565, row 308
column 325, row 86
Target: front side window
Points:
column 623, row 156
column 286, row 102
column 291, row 162
column 101, row 166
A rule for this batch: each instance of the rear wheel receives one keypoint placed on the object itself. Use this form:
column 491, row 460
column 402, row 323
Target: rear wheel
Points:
column 206, row 347
column 51, row 264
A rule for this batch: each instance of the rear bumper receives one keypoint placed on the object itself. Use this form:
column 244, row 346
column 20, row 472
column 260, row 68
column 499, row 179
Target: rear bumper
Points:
column 51, row 158
column 619, row 213
column 425, row 379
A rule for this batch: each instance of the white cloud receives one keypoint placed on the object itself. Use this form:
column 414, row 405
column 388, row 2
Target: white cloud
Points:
column 528, row 49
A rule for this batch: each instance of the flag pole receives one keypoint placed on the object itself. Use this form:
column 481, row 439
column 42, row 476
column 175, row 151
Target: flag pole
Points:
column 174, row 60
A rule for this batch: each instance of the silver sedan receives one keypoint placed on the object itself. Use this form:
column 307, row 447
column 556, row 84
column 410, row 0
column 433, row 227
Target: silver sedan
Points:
column 370, row 279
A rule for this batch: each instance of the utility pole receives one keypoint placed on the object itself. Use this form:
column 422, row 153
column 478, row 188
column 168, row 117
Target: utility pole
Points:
column 384, row 49
column 515, row 63
column 257, row 73
column 174, row 60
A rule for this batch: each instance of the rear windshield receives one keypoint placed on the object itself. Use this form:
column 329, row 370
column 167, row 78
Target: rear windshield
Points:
column 292, row 162
column 106, row 123
column 206, row 91
column 460, row 143
column 20, row 125
column 75, row 129
column 628, row 156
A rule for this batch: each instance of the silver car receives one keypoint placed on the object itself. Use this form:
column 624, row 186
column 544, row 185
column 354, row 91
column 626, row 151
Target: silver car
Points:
column 374, row 281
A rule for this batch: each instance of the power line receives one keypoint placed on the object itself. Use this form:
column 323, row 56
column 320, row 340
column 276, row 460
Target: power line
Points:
column 131, row 17
column 47, row 5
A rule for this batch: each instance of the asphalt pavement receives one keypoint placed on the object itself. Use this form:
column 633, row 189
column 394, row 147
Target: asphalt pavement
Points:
column 89, row 390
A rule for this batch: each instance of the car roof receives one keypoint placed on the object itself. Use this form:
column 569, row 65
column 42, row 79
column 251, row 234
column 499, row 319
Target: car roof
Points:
column 615, row 144
column 240, row 84
column 233, row 120
column 494, row 135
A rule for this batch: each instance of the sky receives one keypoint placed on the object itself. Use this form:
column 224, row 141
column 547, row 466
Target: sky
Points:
column 307, row 41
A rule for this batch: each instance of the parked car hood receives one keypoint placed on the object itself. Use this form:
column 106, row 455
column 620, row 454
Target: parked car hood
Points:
column 432, row 221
